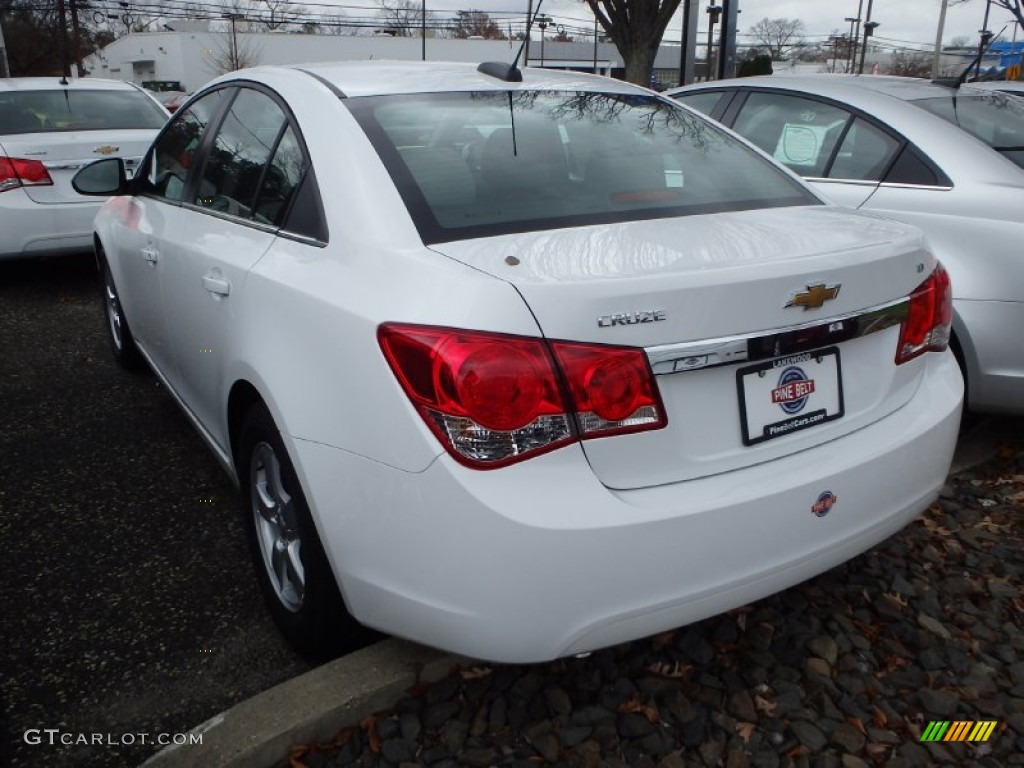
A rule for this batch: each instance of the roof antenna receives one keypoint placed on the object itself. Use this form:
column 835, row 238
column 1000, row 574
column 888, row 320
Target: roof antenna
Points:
column 510, row 73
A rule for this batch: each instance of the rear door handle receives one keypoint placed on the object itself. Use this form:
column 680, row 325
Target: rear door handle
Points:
column 216, row 284
column 151, row 254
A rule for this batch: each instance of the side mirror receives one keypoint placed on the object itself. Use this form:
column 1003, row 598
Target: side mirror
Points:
column 102, row 179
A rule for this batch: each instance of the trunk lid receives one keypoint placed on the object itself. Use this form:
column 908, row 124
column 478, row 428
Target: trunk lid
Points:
column 707, row 298
column 64, row 153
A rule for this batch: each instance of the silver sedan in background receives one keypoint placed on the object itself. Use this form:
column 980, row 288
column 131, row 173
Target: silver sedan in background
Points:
column 949, row 160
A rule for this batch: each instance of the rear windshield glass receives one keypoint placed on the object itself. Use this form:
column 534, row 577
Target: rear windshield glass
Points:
column 76, row 110
column 995, row 118
column 477, row 164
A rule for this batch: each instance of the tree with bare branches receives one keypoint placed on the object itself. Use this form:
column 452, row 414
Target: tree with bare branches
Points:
column 404, row 17
column 636, row 27
column 778, row 36
column 474, row 23
column 1015, row 7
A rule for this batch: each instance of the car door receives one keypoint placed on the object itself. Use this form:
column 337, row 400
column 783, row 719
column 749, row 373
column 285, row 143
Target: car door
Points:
column 234, row 209
column 844, row 155
column 149, row 224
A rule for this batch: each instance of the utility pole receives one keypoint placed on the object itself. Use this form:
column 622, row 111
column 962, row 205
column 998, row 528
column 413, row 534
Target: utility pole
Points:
column 62, row 41
column 727, row 39
column 423, row 31
column 869, row 28
column 986, row 35
column 529, row 26
column 5, row 68
column 688, row 41
column 937, row 59
column 76, row 39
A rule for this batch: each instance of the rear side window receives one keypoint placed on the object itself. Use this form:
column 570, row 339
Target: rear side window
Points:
column 702, row 101
column 865, row 153
column 995, row 118
column 800, row 133
column 478, row 164
column 53, row 111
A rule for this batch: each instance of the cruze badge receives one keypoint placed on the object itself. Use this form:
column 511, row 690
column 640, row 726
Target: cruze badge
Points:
column 105, row 150
column 631, row 318
column 814, row 297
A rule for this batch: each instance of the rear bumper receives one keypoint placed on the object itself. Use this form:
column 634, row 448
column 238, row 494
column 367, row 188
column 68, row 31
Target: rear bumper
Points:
column 539, row 560
column 33, row 229
column 995, row 354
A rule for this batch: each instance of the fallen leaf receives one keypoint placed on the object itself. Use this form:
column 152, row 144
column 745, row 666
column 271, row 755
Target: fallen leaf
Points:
column 296, row 763
column 419, row 690
column 764, row 706
column 857, row 723
column 878, row 717
column 877, row 751
column 344, row 737
column 636, row 704
column 745, row 730
column 475, row 673
column 298, row 750
column 798, row 750
column 369, row 724
column 675, row 670
column 896, row 599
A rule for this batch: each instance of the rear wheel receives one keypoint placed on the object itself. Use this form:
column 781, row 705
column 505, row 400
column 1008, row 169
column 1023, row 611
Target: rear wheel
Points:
column 292, row 568
column 122, row 343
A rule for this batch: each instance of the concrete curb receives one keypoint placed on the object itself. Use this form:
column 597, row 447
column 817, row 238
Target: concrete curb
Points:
column 258, row 732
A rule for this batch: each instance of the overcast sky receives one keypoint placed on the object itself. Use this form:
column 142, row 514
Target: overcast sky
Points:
column 910, row 22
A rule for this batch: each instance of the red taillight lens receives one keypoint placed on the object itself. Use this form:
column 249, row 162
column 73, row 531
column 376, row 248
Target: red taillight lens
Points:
column 929, row 318
column 493, row 399
column 613, row 388
column 15, row 172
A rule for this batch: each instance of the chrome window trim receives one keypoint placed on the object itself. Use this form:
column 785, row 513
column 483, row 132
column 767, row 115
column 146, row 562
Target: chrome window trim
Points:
column 901, row 185
column 710, row 353
column 855, row 182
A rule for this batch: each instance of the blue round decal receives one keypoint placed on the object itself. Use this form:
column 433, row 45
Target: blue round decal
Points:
column 792, row 390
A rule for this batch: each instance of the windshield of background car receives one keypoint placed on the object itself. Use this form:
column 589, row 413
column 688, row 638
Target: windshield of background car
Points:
column 52, row 111
column 995, row 118
column 479, row 164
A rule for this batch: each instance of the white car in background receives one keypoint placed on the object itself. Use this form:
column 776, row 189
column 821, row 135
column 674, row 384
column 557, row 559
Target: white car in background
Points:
column 522, row 364
column 949, row 160
column 48, row 130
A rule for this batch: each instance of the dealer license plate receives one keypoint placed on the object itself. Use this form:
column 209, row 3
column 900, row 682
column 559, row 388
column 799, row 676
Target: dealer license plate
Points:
column 782, row 396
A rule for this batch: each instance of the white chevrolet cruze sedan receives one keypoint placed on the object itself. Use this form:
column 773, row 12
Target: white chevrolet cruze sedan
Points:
column 522, row 364
column 49, row 128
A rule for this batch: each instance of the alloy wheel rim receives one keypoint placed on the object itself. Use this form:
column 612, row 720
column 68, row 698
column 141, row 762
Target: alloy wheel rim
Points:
column 277, row 531
column 113, row 309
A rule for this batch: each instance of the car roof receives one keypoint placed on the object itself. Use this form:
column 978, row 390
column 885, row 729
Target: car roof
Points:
column 905, row 88
column 381, row 78
column 55, row 84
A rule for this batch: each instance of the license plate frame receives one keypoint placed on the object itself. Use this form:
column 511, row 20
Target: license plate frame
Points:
column 806, row 392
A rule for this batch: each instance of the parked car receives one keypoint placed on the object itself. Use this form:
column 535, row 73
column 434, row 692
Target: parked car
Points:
column 172, row 100
column 895, row 146
column 522, row 369
column 48, row 130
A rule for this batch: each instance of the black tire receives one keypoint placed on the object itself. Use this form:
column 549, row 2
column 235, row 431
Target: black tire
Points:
column 122, row 343
column 303, row 597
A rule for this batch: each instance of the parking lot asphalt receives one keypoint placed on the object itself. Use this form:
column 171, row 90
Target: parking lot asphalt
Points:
column 129, row 602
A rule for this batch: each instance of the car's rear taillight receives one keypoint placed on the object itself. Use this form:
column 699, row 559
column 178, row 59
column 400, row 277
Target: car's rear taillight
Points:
column 15, row 172
column 493, row 399
column 929, row 318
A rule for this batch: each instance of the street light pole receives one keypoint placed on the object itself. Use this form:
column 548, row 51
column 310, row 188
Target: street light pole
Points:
column 851, row 45
column 869, row 28
column 543, row 23
column 423, row 31
column 714, row 11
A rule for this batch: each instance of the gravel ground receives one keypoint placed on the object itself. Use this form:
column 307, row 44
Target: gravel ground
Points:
column 129, row 601
column 844, row 670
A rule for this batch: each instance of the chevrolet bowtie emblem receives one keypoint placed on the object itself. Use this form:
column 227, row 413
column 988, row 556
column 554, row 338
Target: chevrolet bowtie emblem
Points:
column 105, row 150
column 815, row 296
